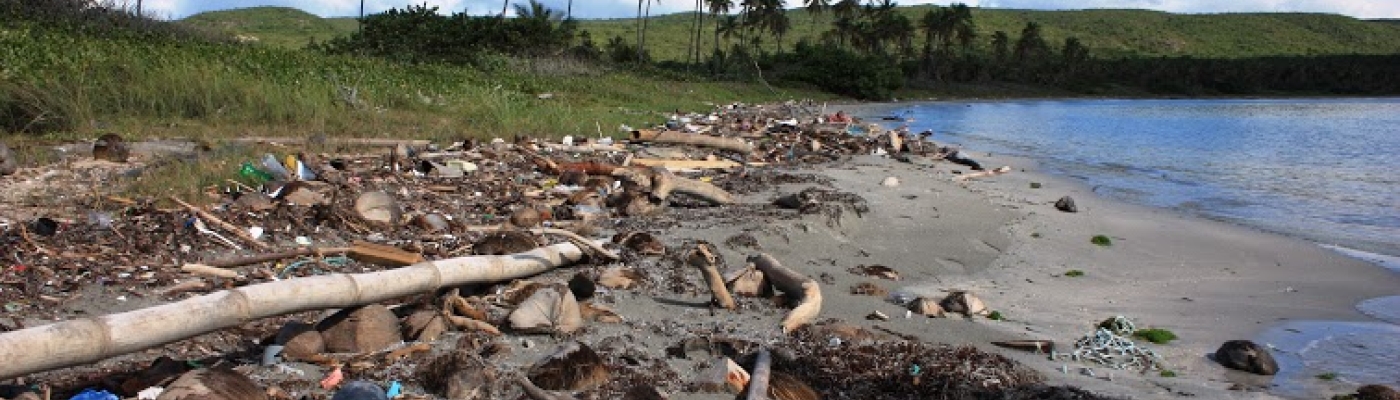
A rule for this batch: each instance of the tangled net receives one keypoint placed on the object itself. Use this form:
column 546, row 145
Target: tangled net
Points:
column 1108, row 346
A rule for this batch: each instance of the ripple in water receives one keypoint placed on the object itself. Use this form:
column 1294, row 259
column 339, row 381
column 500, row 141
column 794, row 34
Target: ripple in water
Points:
column 1358, row 352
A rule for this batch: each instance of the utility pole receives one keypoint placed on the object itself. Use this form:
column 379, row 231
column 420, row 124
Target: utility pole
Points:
column 138, row 8
column 361, row 21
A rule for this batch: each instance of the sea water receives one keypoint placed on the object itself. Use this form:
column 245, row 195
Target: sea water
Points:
column 1325, row 170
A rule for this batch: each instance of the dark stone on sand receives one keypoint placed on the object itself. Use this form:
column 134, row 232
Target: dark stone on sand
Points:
column 582, row 286
column 1066, row 204
column 1246, row 356
column 1376, row 392
column 360, row 390
column 8, row 164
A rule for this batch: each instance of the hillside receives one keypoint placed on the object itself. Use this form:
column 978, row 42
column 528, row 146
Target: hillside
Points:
column 278, row 26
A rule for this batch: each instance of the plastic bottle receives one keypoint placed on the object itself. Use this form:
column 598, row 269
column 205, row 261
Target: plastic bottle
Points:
column 249, row 172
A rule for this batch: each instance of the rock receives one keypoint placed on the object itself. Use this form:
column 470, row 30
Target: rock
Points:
column 1066, row 204
column 927, row 307
column 300, row 340
column 8, row 162
column 550, row 309
column 110, row 147
column 890, row 182
column 378, row 207
column 573, row 366
column 213, row 384
column 1246, row 356
column 360, row 330
column 424, row 326
column 582, row 286
column 458, row 375
column 1376, row 392
column 360, row 390
column 963, row 303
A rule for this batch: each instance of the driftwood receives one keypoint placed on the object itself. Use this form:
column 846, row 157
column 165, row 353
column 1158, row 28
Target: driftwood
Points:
column 686, row 164
column 241, row 233
column 758, row 380
column 693, row 139
column 703, row 257
column 534, row 392
column 88, row 340
column 983, row 174
column 337, row 141
column 662, row 183
column 792, row 284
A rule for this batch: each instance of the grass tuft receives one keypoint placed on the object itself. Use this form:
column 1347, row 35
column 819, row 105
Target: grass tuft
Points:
column 1155, row 335
column 1074, row 273
column 1101, row 240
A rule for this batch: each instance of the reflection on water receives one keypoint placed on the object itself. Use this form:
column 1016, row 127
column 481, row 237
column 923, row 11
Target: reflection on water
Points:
column 1322, row 169
column 1357, row 352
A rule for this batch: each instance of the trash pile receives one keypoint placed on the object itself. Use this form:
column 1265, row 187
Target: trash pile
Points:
column 387, row 268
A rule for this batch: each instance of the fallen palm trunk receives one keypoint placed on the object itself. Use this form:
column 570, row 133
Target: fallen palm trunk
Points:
column 693, row 139
column 90, row 340
column 791, row 284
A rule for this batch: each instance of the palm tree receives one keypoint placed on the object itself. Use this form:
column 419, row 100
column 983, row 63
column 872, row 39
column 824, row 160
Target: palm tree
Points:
column 1001, row 44
column 537, row 11
column 639, row 31
column 815, row 8
column 846, row 8
column 718, row 7
column 641, row 44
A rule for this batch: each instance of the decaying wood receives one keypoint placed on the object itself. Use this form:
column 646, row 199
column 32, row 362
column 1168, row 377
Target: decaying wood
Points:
column 281, row 255
column 204, row 215
column 473, row 325
column 758, row 379
column 380, row 254
column 685, row 164
column 792, row 284
column 693, row 139
column 987, row 173
column 579, row 241
column 590, row 168
column 703, row 257
column 88, row 340
column 534, row 392
column 200, row 269
column 662, row 183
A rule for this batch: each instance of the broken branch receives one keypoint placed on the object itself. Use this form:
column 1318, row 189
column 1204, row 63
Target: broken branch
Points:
column 205, row 215
column 791, row 283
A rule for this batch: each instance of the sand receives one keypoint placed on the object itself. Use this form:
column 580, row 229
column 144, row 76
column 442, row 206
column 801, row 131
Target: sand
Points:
column 1207, row 281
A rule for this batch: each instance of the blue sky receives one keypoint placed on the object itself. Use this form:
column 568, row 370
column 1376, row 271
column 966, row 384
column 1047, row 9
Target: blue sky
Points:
column 625, row 8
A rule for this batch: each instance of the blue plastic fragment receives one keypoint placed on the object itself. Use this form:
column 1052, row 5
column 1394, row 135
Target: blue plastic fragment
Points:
column 91, row 394
column 395, row 389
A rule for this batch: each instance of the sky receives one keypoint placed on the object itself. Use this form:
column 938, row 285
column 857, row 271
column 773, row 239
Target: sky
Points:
column 174, row 9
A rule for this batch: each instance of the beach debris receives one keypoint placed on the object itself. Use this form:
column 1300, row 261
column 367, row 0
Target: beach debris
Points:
column 599, row 313
column 213, row 384
column 9, row 162
column 673, row 137
column 964, row 303
column 793, row 286
column 458, row 375
column 927, row 307
column 378, row 207
column 1108, row 346
column 360, row 329
column 385, row 255
column 1101, row 240
column 986, row 173
column 644, row 392
column 526, row 217
column 869, row 289
column 504, row 242
column 643, row 243
column 158, row 373
column 360, row 390
column 582, row 286
column 424, row 326
column 110, row 147
column 703, row 257
column 550, row 309
column 747, row 281
column 877, row 316
column 619, row 278
column 535, row 392
column 572, row 366
column 1035, row 346
column 1066, row 204
column 878, row 271
column 300, row 340
column 889, row 181
column 1245, row 355
column 723, row 375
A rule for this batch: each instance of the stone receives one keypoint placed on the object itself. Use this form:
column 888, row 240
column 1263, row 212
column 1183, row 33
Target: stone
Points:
column 360, row 390
column 890, row 182
column 1245, row 355
column 963, row 303
column 360, row 329
column 300, row 340
column 424, row 326
column 213, row 384
column 378, row 207
column 1066, row 204
column 1376, row 392
column 8, row 162
column 110, row 147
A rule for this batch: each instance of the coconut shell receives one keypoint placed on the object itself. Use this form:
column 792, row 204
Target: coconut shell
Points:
column 378, row 207
column 424, row 326
column 458, row 375
column 300, row 340
column 963, row 303
column 551, row 309
column 360, row 330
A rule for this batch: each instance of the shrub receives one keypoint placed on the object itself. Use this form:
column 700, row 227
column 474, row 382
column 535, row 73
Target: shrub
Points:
column 1155, row 335
column 1101, row 240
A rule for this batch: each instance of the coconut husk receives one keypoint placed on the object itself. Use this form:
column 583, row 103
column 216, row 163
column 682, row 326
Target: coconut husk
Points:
column 573, row 366
column 550, row 309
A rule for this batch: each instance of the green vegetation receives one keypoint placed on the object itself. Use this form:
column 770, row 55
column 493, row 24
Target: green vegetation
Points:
column 1035, row 185
column 1074, row 273
column 283, row 27
column 1166, row 373
column 1101, row 240
column 1155, row 335
column 996, row 316
column 1327, row 376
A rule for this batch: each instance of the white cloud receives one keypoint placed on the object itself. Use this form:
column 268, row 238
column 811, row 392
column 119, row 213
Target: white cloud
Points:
column 628, row 8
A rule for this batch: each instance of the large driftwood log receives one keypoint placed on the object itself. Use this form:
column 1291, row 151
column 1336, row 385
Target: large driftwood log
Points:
column 792, row 284
column 693, row 139
column 703, row 257
column 89, row 340
column 662, row 183
column 762, row 371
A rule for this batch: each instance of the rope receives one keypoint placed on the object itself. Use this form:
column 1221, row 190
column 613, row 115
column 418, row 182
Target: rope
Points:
column 1108, row 346
column 338, row 261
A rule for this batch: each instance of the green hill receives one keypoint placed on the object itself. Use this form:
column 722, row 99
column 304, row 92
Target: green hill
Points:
column 278, row 26
column 1108, row 33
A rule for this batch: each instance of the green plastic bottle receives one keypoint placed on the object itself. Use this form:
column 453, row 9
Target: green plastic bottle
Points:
column 253, row 174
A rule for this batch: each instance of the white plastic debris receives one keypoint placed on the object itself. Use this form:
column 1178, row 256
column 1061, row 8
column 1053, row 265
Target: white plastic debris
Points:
column 150, row 393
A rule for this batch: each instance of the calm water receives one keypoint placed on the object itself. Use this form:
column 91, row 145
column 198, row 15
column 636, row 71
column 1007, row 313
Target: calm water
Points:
column 1327, row 170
